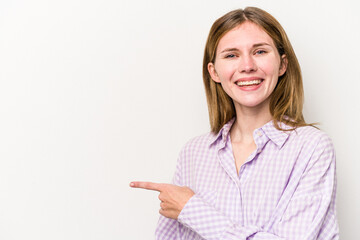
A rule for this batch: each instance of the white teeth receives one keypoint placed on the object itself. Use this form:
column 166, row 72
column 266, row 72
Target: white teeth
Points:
column 248, row 83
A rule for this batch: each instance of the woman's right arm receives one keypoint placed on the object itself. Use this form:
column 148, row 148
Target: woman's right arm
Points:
column 168, row 228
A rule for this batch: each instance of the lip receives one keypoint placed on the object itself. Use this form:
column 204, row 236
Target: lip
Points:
column 251, row 87
column 248, row 79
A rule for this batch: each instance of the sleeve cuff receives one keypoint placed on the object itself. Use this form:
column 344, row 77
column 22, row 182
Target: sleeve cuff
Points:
column 199, row 214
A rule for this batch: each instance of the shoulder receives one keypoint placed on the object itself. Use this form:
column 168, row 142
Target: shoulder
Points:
column 198, row 148
column 198, row 142
column 311, row 138
column 309, row 133
column 310, row 149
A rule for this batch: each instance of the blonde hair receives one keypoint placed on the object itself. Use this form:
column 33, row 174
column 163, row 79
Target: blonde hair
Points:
column 286, row 102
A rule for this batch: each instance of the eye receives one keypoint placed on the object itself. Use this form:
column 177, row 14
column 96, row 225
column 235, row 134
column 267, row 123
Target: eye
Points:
column 230, row 55
column 259, row 52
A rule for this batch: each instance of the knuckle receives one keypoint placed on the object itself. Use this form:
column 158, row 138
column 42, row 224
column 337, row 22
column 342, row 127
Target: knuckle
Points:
column 164, row 206
column 162, row 212
column 164, row 195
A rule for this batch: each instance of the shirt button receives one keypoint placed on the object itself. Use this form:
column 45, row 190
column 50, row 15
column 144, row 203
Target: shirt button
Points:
column 259, row 133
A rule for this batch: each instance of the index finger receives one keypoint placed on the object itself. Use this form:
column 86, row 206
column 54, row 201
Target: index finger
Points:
column 147, row 185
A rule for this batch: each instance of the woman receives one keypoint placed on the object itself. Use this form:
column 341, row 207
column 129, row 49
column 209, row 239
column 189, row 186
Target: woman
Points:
column 262, row 172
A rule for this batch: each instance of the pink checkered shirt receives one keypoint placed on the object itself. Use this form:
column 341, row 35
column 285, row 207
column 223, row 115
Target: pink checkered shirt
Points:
column 285, row 190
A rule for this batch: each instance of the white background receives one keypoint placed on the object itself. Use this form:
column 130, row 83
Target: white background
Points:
column 95, row 94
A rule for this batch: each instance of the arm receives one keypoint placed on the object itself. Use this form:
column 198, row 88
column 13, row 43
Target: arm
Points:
column 309, row 215
column 173, row 197
column 311, row 212
column 168, row 228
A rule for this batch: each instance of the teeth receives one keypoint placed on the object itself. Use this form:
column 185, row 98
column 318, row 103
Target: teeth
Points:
column 248, row 83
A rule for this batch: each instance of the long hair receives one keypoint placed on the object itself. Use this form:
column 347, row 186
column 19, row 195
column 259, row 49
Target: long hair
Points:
column 286, row 101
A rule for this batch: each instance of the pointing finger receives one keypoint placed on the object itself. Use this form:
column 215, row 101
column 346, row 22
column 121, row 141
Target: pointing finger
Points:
column 147, row 185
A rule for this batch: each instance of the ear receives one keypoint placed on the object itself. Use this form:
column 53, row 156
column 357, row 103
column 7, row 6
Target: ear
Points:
column 283, row 65
column 213, row 73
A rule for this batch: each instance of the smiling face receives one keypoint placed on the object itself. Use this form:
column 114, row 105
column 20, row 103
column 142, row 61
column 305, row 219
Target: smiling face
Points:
column 247, row 65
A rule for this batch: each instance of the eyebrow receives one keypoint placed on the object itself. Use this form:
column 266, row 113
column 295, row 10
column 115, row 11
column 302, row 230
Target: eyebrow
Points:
column 254, row 46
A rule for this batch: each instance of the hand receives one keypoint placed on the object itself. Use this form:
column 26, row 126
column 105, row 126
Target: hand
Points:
column 173, row 198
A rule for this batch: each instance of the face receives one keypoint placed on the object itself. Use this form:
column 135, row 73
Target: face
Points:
column 247, row 65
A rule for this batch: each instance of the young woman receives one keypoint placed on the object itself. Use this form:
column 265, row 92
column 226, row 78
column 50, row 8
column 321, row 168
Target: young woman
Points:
column 262, row 172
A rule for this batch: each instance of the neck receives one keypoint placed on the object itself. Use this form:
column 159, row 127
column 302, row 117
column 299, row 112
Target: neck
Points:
column 247, row 120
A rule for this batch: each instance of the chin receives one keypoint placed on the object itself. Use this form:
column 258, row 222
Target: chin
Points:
column 253, row 103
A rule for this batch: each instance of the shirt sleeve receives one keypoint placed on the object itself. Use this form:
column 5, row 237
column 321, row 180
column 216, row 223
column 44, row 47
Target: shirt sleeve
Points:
column 309, row 215
column 311, row 212
column 167, row 228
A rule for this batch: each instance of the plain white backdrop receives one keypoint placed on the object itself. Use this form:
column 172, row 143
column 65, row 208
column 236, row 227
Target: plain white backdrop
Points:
column 95, row 94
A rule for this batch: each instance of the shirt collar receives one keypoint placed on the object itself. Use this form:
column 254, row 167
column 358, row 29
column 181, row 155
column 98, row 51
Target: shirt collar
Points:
column 277, row 136
column 223, row 133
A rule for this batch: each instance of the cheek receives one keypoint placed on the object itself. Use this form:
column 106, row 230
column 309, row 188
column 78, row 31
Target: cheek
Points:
column 270, row 68
column 225, row 71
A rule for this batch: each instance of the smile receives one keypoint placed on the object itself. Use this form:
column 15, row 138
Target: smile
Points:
column 248, row 83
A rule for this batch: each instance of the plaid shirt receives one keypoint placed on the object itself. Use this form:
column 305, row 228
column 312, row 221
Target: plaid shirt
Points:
column 286, row 189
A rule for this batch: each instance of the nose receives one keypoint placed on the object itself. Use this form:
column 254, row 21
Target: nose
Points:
column 247, row 64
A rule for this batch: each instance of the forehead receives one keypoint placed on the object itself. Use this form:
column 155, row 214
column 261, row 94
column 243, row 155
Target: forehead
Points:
column 245, row 35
